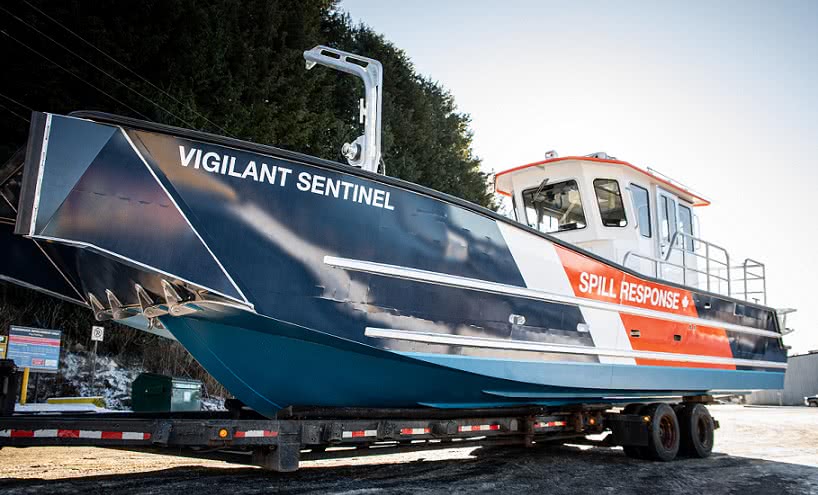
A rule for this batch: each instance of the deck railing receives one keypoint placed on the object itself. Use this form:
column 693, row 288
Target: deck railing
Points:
column 704, row 265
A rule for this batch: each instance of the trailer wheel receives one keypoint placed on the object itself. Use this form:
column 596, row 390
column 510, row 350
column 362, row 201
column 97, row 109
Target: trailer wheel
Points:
column 698, row 431
column 664, row 436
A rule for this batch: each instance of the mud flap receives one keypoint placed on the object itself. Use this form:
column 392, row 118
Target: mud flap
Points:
column 285, row 456
column 628, row 430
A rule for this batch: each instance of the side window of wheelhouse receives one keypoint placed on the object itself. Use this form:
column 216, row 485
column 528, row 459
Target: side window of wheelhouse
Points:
column 554, row 207
column 641, row 205
column 667, row 210
column 610, row 203
column 686, row 224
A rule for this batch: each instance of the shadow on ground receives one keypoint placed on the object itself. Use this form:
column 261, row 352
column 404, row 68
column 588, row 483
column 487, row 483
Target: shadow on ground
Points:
column 552, row 470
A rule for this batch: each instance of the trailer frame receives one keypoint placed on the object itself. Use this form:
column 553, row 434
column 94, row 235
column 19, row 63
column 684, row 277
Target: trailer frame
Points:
column 280, row 444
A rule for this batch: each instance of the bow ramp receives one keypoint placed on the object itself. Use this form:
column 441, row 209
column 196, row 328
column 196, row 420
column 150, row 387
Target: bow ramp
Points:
column 87, row 197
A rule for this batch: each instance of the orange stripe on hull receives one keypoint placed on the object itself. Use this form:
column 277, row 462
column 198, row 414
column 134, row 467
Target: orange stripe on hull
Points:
column 659, row 336
column 682, row 364
column 592, row 279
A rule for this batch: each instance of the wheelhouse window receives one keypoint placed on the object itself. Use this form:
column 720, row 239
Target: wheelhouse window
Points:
column 686, row 224
column 667, row 218
column 554, row 207
column 610, row 203
column 641, row 206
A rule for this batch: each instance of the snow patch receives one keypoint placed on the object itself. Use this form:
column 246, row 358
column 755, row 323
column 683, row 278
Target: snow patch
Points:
column 59, row 408
column 112, row 382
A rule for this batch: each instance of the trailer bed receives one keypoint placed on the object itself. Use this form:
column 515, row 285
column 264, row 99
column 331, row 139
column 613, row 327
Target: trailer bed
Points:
column 280, row 444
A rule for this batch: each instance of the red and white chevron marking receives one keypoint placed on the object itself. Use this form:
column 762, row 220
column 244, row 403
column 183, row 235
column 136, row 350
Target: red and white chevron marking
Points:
column 256, row 434
column 359, row 434
column 91, row 434
column 467, row 428
column 549, row 424
column 415, row 431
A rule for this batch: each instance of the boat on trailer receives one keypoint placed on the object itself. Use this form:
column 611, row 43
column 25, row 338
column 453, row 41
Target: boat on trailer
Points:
column 297, row 281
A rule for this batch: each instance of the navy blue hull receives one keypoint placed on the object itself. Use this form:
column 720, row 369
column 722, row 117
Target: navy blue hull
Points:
column 272, row 364
column 345, row 288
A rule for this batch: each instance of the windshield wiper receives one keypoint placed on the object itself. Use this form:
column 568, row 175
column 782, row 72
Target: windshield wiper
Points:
column 538, row 191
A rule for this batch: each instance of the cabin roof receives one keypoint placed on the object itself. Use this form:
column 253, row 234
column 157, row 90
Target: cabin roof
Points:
column 502, row 180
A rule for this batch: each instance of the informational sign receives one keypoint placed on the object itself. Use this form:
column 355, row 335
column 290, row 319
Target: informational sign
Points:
column 3, row 343
column 97, row 333
column 35, row 348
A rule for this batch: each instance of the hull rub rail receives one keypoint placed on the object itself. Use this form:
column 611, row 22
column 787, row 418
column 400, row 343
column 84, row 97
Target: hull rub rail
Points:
column 504, row 289
column 460, row 340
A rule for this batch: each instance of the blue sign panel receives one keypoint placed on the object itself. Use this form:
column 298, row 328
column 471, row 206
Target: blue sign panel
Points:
column 35, row 348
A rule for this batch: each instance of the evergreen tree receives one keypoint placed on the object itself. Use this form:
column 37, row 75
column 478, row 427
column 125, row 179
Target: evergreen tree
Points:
column 233, row 68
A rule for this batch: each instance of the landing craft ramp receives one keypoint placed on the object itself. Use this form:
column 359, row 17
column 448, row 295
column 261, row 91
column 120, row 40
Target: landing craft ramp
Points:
column 46, row 267
column 23, row 261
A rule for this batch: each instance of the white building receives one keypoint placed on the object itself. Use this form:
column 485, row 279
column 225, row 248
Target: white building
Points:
column 801, row 380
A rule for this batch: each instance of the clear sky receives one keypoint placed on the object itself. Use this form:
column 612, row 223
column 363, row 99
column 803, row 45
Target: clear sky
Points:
column 722, row 96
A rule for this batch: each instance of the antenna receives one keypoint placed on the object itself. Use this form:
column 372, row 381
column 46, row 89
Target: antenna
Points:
column 365, row 151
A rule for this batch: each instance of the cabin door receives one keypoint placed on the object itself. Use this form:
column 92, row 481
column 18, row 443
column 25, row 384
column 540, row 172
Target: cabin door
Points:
column 667, row 206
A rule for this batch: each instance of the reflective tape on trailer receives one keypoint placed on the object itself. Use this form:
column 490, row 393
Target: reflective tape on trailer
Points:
column 415, row 431
column 359, row 434
column 467, row 428
column 549, row 424
column 256, row 434
column 88, row 434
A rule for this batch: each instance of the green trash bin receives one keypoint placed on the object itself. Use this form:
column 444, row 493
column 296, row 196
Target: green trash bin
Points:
column 8, row 387
column 151, row 392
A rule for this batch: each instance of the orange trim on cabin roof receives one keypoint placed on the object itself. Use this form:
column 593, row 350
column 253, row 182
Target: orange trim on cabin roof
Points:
column 700, row 201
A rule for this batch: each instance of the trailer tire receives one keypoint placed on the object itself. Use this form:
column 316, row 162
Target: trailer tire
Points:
column 664, row 436
column 698, row 431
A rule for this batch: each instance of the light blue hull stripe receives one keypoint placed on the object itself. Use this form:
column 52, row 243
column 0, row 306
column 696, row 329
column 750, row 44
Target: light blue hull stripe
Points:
column 608, row 376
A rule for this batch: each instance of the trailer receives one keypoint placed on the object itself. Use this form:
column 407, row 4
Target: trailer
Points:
column 657, row 431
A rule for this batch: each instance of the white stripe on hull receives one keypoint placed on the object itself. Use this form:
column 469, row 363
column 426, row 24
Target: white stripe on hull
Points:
column 608, row 332
column 542, row 269
column 519, row 345
column 541, row 295
column 182, row 214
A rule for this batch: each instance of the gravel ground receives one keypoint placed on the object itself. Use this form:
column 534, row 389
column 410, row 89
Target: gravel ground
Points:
column 759, row 450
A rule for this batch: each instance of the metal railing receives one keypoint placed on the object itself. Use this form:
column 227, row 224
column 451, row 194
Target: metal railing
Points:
column 688, row 253
column 781, row 314
column 753, row 283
